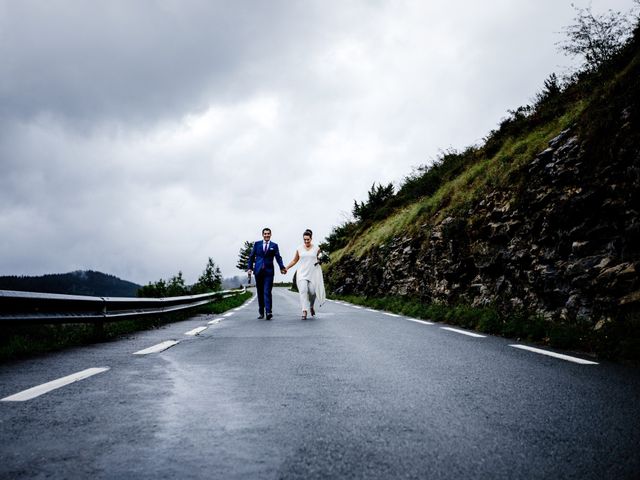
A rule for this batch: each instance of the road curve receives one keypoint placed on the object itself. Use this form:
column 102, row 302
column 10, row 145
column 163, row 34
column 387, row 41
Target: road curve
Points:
column 352, row 393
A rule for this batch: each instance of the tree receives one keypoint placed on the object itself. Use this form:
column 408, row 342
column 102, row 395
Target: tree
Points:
column 243, row 256
column 176, row 286
column 210, row 280
column 596, row 38
column 550, row 91
column 378, row 196
column 153, row 290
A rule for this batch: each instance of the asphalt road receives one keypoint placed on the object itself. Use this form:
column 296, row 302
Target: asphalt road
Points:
column 350, row 394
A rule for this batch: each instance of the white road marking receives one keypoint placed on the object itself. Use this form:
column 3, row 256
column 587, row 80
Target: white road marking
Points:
column 54, row 384
column 391, row 314
column 463, row 332
column 196, row 331
column 228, row 314
column 355, row 306
column 215, row 321
column 423, row 322
column 371, row 310
column 237, row 309
column 555, row 355
column 161, row 347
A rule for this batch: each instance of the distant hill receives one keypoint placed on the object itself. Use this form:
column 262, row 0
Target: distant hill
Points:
column 73, row 283
column 234, row 282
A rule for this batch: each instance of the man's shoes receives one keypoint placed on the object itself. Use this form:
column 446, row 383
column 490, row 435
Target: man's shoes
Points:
column 261, row 316
column 269, row 316
column 313, row 312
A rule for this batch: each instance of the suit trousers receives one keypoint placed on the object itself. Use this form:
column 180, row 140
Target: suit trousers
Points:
column 264, row 285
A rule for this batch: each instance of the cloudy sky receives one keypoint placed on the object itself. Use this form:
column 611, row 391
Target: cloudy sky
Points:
column 140, row 137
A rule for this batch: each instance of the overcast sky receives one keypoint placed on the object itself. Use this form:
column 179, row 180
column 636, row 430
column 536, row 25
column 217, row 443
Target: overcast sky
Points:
column 141, row 137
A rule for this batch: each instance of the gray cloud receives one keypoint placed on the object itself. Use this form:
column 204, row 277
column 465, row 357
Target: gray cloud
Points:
column 134, row 61
column 139, row 138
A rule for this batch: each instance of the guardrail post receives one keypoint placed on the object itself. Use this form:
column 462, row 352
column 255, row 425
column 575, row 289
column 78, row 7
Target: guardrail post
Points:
column 98, row 326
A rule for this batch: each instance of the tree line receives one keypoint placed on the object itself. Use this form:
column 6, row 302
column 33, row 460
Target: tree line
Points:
column 209, row 281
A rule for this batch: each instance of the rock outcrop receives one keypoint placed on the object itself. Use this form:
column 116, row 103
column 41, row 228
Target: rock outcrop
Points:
column 562, row 240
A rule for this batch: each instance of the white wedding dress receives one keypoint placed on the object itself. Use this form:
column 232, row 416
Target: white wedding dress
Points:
column 309, row 278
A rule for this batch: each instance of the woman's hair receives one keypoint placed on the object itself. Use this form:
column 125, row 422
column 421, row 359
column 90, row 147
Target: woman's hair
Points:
column 307, row 232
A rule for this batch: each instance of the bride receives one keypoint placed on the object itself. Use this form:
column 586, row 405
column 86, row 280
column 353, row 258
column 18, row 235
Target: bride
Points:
column 309, row 276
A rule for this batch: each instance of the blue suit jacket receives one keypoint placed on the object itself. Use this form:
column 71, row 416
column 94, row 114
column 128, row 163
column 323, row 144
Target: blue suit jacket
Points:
column 260, row 260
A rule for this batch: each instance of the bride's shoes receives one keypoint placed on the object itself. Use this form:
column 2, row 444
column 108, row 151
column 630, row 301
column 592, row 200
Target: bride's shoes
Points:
column 313, row 312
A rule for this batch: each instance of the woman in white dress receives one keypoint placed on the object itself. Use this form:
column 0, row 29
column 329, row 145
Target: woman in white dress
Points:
column 309, row 275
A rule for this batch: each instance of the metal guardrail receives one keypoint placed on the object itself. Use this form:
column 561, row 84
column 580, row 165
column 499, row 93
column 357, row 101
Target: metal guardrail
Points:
column 56, row 308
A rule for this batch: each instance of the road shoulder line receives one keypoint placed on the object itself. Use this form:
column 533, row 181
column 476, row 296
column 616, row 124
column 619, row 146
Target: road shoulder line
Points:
column 561, row 356
column 463, row 332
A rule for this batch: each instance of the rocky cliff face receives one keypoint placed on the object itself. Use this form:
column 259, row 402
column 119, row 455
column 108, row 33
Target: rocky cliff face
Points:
column 562, row 240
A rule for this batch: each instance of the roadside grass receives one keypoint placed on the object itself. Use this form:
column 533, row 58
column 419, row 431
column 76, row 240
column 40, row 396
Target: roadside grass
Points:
column 224, row 304
column 20, row 341
column 619, row 340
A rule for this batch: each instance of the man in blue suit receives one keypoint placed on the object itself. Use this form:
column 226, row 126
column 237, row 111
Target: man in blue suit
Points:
column 261, row 264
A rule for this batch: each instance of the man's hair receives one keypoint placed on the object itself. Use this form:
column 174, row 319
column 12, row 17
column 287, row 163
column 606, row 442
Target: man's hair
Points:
column 266, row 229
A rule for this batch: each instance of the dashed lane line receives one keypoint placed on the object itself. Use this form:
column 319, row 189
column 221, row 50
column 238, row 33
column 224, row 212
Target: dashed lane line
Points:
column 463, row 332
column 228, row 314
column 391, row 314
column 215, row 321
column 52, row 385
column 423, row 322
column 561, row 356
column 161, row 347
column 196, row 331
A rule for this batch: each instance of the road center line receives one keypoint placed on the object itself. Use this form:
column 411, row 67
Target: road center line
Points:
column 195, row 331
column 423, row 322
column 561, row 356
column 463, row 332
column 54, row 384
column 161, row 347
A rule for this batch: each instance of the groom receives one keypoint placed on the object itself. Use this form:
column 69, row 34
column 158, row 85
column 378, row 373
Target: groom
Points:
column 261, row 264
